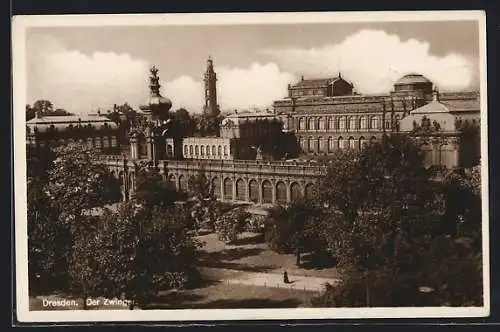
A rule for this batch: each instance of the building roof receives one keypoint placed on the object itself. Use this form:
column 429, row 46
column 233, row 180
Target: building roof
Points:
column 62, row 122
column 318, row 82
column 412, row 78
column 235, row 118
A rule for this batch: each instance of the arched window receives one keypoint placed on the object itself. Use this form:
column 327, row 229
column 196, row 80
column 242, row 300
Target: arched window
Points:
column 267, row 192
column 362, row 123
column 202, row 152
column 309, row 191
column 340, row 142
column 219, row 150
column 170, row 150
column 240, row 190
column 331, row 123
column 352, row 123
column 374, row 122
column 341, row 125
column 213, row 150
column 253, row 188
column 310, row 124
column 352, row 143
column 321, row 144
column 302, row 143
column 302, row 123
column 331, row 144
column 191, row 150
column 295, row 192
column 321, row 123
column 281, row 192
column 228, row 189
column 225, row 150
column 362, row 143
column 208, row 150
column 196, row 150
column 171, row 179
column 310, row 144
column 216, row 187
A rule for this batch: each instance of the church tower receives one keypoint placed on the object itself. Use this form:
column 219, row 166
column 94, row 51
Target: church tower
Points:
column 211, row 108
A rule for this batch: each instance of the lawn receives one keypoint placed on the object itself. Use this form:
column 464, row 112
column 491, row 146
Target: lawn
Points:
column 251, row 253
column 214, row 295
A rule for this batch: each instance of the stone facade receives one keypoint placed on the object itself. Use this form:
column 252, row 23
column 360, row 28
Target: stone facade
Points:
column 237, row 181
column 92, row 130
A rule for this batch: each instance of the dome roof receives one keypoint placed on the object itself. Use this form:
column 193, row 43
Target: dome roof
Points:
column 413, row 79
column 157, row 100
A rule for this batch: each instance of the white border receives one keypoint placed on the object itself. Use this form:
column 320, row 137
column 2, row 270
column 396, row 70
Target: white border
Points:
column 19, row 26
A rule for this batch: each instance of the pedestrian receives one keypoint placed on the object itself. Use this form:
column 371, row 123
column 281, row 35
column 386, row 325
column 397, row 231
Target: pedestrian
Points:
column 285, row 278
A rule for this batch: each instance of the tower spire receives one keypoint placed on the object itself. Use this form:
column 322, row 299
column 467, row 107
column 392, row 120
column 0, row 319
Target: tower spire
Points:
column 210, row 79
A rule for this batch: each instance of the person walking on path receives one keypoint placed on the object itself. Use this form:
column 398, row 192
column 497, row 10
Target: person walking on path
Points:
column 285, row 278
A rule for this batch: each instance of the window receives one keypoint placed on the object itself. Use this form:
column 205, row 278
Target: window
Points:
column 302, row 124
column 374, row 122
column 208, row 150
column 321, row 144
column 225, row 150
column 362, row 142
column 213, row 150
column 341, row 125
column 219, row 150
column 331, row 144
column 340, row 143
column 196, row 150
column 191, row 150
column 310, row 124
column 352, row 123
column 352, row 143
column 216, row 187
column 202, row 152
column 331, row 123
column 321, row 124
column 310, row 144
column 362, row 122
column 387, row 125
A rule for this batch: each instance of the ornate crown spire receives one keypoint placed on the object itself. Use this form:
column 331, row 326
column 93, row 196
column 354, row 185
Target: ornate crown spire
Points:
column 154, row 82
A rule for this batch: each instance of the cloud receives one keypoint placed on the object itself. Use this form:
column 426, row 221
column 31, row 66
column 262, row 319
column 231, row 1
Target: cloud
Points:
column 81, row 83
column 237, row 88
column 373, row 60
column 254, row 87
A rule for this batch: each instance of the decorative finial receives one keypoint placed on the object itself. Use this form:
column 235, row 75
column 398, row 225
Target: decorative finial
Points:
column 154, row 81
column 435, row 94
column 302, row 78
column 340, row 75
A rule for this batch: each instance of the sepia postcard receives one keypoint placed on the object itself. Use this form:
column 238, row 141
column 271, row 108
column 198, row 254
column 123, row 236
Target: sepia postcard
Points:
column 250, row 166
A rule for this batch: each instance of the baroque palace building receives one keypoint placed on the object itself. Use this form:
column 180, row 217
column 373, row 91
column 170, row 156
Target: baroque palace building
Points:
column 323, row 115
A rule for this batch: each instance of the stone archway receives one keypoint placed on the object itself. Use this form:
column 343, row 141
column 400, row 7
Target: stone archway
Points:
column 281, row 193
column 216, row 188
column 295, row 192
column 310, row 191
column 240, row 190
column 228, row 189
column 253, row 191
column 267, row 192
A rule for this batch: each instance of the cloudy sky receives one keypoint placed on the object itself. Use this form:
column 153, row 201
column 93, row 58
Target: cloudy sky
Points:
column 84, row 68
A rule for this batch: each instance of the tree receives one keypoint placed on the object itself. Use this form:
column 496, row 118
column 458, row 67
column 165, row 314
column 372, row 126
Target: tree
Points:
column 293, row 228
column 133, row 254
column 230, row 224
column 153, row 191
column 61, row 193
column 388, row 237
